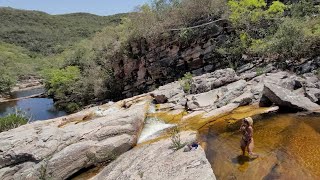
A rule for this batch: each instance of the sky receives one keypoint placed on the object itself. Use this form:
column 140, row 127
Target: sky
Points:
column 99, row 7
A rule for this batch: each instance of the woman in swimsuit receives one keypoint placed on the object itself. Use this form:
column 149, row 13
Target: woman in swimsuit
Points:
column 247, row 138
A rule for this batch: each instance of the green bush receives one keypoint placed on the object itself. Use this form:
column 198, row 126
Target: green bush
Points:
column 176, row 143
column 186, row 82
column 289, row 40
column 60, row 84
column 7, row 81
column 251, row 14
column 86, row 75
column 253, row 20
column 303, row 8
column 152, row 21
column 295, row 38
column 59, row 81
column 12, row 121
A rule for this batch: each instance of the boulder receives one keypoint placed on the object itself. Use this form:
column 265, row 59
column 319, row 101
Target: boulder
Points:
column 209, row 81
column 285, row 79
column 172, row 93
column 312, row 80
column 218, row 97
column 313, row 94
column 245, row 67
column 157, row 161
column 248, row 75
column 287, row 98
column 244, row 99
column 58, row 148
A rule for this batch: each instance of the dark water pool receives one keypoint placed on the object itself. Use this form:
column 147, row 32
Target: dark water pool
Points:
column 35, row 108
column 25, row 93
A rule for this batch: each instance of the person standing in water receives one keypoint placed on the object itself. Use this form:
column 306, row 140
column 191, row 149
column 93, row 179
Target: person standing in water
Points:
column 247, row 138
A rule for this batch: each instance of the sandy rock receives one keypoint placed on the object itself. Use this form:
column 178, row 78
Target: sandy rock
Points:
column 157, row 161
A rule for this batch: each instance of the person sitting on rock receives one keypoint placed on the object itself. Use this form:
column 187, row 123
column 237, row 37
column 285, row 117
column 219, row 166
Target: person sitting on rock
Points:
column 247, row 138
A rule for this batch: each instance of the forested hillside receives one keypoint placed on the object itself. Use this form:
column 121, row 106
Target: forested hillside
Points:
column 31, row 41
column 49, row 34
column 266, row 30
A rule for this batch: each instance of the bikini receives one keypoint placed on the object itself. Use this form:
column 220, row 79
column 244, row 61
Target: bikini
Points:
column 246, row 138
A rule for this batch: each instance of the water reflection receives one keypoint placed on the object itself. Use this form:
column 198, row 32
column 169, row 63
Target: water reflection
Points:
column 36, row 108
column 287, row 144
column 25, row 93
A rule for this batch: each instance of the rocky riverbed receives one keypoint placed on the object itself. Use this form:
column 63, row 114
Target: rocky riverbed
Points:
column 59, row 148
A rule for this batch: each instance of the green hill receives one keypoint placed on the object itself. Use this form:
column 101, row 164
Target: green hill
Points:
column 49, row 34
column 14, row 62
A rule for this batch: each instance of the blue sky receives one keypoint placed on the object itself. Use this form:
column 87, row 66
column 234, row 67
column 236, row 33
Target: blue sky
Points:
column 100, row 7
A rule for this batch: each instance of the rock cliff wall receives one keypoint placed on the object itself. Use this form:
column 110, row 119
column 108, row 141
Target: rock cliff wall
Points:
column 149, row 65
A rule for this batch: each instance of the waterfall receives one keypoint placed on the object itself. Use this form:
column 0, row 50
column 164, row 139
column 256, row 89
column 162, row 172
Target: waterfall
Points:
column 153, row 126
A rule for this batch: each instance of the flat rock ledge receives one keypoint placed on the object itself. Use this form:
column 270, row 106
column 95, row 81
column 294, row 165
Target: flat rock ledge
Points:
column 157, row 161
column 58, row 148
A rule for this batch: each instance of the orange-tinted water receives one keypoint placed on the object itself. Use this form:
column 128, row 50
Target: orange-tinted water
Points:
column 288, row 146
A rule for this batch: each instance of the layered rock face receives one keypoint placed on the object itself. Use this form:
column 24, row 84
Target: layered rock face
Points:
column 150, row 65
column 224, row 90
column 58, row 148
column 157, row 161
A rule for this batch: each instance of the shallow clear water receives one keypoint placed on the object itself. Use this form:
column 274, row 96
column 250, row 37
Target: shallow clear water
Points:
column 288, row 146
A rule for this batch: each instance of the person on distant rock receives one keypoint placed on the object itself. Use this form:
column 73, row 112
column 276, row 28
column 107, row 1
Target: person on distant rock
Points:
column 247, row 138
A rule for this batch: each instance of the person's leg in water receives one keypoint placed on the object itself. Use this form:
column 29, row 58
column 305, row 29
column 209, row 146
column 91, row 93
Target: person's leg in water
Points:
column 250, row 149
column 243, row 146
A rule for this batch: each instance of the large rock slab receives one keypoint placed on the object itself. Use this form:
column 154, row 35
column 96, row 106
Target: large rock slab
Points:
column 313, row 94
column 58, row 148
column 285, row 79
column 287, row 98
column 172, row 93
column 218, row 97
column 157, row 161
column 209, row 81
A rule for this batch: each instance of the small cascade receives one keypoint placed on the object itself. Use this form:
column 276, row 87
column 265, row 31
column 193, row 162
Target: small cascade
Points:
column 152, row 108
column 153, row 126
